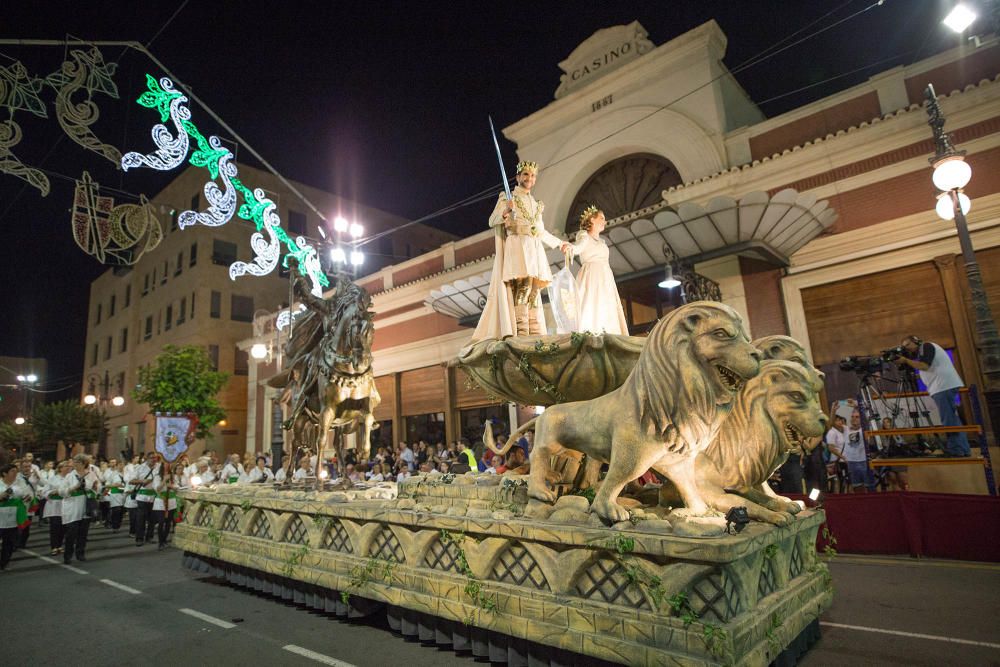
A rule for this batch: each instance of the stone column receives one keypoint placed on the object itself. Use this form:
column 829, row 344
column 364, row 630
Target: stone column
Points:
column 451, row 425
column 252, row 406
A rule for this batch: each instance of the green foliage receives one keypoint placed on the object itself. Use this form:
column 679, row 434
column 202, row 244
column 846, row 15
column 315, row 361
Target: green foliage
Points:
column 293, row 560
column 67, row 421
column 621, row 544
column 215, row 539
column 715, row 639
column 182, row 380
column 473, row 587
column 246, row 505
column 773, row 641
column 13, row 436
column 770, row 551
column 829, row 549
column 680, row 605
column 364, row 573
column 588, row 493
column 623, row 547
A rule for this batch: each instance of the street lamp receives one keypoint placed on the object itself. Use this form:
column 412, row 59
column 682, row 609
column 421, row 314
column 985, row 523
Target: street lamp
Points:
column 344, row 251
column 959, row 18
column 951, row 174
column 105, row 397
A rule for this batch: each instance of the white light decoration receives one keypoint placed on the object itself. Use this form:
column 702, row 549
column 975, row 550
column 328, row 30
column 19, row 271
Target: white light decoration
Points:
column 951, row 173
column 357, row 257
column 19, row 421
column 258, row 351
column 32, row 377
column 946, row 208
column 90, row 399
column 340, row 224
column 669, row 281
column 118, row 401
column 221, row 203
column 337, row 255
column 285, row 317
column 960, row 18
column 170, row 150
column 357, row 230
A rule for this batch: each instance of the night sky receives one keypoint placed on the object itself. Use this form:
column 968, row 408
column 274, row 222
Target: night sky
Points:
column 384, row 102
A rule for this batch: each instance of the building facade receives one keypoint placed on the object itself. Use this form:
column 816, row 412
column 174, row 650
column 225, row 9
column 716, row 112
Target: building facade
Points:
column 845, row 253
column 180, row 293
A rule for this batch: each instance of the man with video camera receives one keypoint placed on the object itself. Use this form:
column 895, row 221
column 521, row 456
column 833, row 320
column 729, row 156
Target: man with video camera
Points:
column 943, row 383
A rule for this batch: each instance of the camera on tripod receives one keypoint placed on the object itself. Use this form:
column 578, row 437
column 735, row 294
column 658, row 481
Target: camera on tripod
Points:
column 892, row 354
column 862, row 365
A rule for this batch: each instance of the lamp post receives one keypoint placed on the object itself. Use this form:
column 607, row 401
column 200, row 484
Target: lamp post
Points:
column 105, row 397
column 951, row 174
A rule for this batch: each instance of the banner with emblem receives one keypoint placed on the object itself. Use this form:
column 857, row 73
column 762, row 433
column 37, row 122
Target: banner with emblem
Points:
column 174, row 432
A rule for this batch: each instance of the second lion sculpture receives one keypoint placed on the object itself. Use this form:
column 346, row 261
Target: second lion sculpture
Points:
column 694, row 363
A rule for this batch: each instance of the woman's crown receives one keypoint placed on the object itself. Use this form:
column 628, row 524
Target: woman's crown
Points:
column 588, row 212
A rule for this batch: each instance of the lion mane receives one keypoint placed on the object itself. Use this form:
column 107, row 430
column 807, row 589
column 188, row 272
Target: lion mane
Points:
column 679, row 405
column 748, row 446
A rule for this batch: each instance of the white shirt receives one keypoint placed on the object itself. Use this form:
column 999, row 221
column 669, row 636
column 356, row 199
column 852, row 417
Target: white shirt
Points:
column 74, row 507
column 854, row 446
column 256, row 475
column 8, row 515
column 231, row 470
column 941, row 376
column 835, row 442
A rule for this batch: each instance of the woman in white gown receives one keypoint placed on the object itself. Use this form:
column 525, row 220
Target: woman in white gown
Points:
column 600, row 307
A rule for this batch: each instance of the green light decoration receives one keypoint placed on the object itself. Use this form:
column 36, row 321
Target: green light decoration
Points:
column 268, row 238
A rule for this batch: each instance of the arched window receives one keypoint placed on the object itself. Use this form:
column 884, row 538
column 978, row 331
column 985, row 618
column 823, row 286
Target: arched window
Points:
column 624, row 185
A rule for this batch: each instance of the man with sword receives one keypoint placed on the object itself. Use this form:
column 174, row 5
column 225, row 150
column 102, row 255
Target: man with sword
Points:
column 520, row 268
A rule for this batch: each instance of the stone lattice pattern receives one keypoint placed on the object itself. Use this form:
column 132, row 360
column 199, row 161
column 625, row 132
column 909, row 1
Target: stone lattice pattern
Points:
column 562, row 583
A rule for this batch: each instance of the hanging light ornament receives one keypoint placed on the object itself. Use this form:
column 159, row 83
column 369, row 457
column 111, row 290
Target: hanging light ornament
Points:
column 115, row 235
column 19, row 92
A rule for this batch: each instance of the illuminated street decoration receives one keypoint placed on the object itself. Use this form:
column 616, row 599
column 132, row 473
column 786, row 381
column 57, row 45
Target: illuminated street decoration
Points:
column 19, row 92
column 211, row 155
column 116, row 235
column 87, row 72
column 171, row 149
column 285, row 317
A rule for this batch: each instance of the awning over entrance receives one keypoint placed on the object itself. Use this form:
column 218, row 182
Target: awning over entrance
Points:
column 757, row 225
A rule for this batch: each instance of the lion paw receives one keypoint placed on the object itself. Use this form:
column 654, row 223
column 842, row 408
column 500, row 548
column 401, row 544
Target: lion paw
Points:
column 610, row 511
column 541, row 493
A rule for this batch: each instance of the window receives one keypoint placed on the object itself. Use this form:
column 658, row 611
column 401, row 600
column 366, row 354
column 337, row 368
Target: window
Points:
column 215, row 308
column 98, row 314
column 154, row 280
column 223, row 252
column 213, row 354
column 182, row 311
column 168, row 320
column 173, row 219
column 93, row 355
column 194, row 255
column 111, row 307
column 107, row 349
column 196, row 202
column 123, row 344
column 241, row 308
column 120, row 383
column 128, row 296
column 159, row 321
column 180, row 263
column 192, row 305
column 163, row 280
column 242, row 362
column 296, row 222
column 145, row 284
column 149, row 328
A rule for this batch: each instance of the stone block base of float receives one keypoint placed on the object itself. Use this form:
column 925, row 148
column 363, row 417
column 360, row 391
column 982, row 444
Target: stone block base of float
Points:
column 614, row 594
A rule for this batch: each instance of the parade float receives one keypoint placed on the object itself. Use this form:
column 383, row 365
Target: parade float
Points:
column 563, row 565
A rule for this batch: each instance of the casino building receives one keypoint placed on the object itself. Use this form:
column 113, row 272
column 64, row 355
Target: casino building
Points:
column 819, row 223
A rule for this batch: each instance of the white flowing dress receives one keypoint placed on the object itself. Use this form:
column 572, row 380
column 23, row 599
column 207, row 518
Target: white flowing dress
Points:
column 600, row 306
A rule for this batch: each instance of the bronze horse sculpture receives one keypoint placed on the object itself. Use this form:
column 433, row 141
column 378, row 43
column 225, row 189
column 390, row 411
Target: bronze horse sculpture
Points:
column 328, row 378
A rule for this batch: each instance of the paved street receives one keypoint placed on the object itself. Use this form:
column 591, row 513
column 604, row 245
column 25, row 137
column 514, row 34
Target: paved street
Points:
column 124, row 606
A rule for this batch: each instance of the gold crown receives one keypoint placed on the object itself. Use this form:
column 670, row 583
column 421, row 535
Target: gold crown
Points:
column 588, row 212
column 527, row 165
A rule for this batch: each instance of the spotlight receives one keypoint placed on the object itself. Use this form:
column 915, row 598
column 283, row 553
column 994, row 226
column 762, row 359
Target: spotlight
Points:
column 32, row 377
column 337, row 255
column 340, row 224
column 737, row 519
column 21, row 378
column 357, row 230
column 669, row 281
column 357, row 257
column 258, row 350
column 814, row 495
column 19, row 421
column 960, row 18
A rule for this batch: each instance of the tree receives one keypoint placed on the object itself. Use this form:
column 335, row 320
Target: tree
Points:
column 16, row 438
column 67, row 421
column 182, row 380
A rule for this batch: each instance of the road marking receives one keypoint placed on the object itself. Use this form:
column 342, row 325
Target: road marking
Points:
column 73, row 569
column 318, row 657
column 121, row 587
column 53, row 561
column 208, row 619
column 915, row 635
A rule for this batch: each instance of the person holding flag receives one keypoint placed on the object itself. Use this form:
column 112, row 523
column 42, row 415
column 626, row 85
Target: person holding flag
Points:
column 13, row 511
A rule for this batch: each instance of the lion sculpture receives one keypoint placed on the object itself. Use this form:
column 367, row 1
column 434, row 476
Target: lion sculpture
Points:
column 670, row 407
